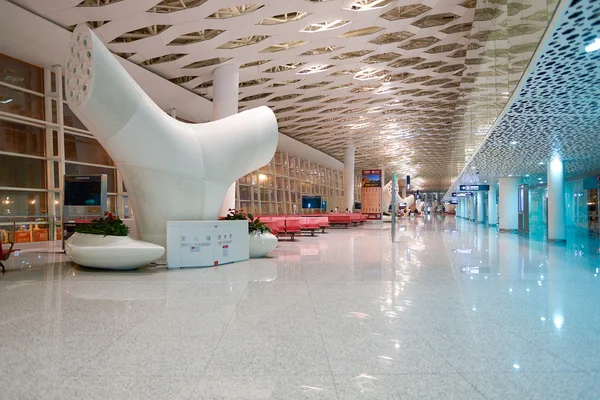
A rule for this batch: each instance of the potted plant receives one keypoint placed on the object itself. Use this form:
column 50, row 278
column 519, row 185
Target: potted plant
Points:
column 103, row 243
column 260, row 238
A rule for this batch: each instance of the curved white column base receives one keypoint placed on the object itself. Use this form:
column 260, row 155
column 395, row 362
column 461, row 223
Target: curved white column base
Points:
column 111, row 252
column 261, row 244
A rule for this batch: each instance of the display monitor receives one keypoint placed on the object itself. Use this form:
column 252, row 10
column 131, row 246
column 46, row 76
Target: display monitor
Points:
column 312, row 202
column 357, row 205
column 83, row 192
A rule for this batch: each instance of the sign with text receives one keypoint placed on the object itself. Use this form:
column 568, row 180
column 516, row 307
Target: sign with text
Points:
column 474, row 188
column 206, row 243
column 371, row 193
column 462, row 194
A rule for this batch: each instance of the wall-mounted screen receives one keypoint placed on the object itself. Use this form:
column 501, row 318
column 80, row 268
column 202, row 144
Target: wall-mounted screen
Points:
column 312, row 202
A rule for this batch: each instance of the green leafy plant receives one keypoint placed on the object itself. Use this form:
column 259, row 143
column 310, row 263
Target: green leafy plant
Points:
column 254, row 224
column 109, row 225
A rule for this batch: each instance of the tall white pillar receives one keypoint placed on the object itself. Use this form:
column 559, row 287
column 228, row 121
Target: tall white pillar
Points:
column 349, row 177
column 473, row 204
column 492, row 206
column 480, row 213
column 509, row 205
column 556, row 202
column 460, row 208
column 226, row 80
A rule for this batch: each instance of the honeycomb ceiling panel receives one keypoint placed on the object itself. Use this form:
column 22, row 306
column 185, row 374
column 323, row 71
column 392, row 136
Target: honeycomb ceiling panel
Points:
column 413, row 85
column 550, row 114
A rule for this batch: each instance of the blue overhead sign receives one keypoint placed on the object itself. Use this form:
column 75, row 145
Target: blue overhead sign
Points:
column 475, row 188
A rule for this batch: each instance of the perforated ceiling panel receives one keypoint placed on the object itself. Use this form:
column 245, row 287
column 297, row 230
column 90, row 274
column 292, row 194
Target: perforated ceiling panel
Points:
column 414, row 85
column 556, row 112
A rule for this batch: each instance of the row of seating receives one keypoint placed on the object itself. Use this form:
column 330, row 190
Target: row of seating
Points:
column 346, row 219
column 282, row 225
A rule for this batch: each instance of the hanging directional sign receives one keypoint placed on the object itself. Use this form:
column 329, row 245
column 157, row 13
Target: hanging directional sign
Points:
column 462, row 194
column 464, row 188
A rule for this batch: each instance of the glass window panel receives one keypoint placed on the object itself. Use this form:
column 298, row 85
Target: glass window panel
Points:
column 56, row 173
column 55, row 143
column 19, row 73
column 111, row 204
column 244, row 193
column 84, row 149
column 23, row 139
column 22, row 172
column 23, row 206
column 71, row 119
column 21, row 103
column 77, row 169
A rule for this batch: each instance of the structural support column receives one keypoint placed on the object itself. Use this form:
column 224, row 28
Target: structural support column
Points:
column 473, row 204
column 492, row 206
column 480, row 213
column 226, row 79
column 461, row 207
column 556, row 202
column 509, row 205
column 349, row 177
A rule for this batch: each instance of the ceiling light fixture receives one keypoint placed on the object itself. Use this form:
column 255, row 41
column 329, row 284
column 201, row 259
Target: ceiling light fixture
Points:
column 514, row 143
column 595, row 45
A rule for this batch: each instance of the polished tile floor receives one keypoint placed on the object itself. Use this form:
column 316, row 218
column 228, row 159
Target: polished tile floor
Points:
column 450, row 310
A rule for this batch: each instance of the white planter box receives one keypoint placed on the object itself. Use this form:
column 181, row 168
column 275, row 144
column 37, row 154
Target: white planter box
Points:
column 111, row 252
column 261, row 244
column 206, row 243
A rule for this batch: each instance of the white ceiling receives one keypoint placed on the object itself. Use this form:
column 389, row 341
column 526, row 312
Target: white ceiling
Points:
column 556, row 110
column 442, row 70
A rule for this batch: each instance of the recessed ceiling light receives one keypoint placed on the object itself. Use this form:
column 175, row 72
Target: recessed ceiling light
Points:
column 539, row 179
column 510, row 175
column 541, row 163
column 514, row 143
column 505, row 93
column 595, row 45
column 527, row 176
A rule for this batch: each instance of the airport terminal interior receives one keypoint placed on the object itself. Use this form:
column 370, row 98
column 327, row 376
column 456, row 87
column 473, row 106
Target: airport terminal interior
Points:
column 299, row 199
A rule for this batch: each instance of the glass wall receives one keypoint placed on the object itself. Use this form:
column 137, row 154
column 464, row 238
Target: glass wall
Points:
column 40, row 141
column 278, row 187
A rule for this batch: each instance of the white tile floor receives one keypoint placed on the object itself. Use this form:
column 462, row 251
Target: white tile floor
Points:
column 346, row 315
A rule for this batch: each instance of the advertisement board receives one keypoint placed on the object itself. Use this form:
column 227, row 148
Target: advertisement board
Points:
column 371, row 193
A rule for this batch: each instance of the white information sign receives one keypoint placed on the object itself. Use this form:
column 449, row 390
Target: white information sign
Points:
column 206, row 243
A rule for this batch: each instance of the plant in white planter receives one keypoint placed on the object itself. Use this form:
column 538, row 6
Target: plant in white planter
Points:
column 261, row 240
column 104, row 243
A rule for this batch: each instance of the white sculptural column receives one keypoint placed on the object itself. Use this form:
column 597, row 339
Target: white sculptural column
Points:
column 349, row 177
column 556, row 201
column 492, row 206
column 226, row 80
column 509, row 205
column 174, row 171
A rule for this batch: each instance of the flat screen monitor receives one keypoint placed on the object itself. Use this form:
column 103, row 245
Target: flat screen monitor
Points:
column 83, row 193
column 312, row 202
column 357, row 205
